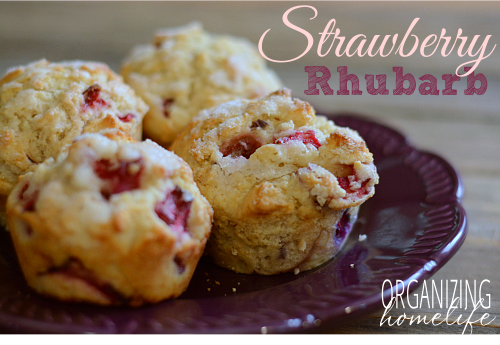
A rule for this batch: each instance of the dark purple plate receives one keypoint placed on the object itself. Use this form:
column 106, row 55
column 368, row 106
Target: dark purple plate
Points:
column 414, row 224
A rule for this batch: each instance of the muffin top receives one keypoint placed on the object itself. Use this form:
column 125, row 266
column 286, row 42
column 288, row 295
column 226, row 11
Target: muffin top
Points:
column 44, row 106
column 110, row 221
column 186, row 69
column 102, row 173
column 274, row 155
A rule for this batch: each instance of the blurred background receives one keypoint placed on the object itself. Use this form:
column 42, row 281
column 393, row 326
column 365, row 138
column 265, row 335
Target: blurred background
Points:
column 463, row 129
column 107, row 31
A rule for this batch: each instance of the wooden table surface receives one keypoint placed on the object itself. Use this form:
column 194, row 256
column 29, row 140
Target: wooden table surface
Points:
column 465, row 130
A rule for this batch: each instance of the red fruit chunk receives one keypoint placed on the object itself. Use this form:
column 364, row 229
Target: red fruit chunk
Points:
column 343, row 227
column 175, row 208
column 167, row 103
column 345, row 184
column 306, row 137
column 120, row 176
column 126, row 118
column 259, row 124
column 91, row 97
column 244, row 145
column 28, row 201
column 74, row 269
column 28, row 229
column 180, row 265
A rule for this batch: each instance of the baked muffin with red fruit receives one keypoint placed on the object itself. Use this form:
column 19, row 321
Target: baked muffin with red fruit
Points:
column 285, row 184
column 187, row 69
column 111, row 221
column 44, row 106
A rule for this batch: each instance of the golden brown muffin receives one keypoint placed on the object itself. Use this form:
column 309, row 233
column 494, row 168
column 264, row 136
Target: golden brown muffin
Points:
column 44, row 106
column 111, row 221
column 187, row 69
column 285, row 185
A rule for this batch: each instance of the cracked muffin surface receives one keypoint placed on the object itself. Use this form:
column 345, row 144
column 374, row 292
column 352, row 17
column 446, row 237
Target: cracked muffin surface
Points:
column 44, row 106
column 285, row 184
column 111, row 221
column 187, row 69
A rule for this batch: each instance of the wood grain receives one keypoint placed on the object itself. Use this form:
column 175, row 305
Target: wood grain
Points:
column 463, row 129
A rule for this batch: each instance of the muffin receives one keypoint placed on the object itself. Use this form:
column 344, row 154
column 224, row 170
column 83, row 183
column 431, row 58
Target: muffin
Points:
column 186, row 69
column 44, row 106
column 111, row 221
column 285, row 185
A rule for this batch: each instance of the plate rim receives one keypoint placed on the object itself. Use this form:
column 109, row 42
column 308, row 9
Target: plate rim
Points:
column 372, row 303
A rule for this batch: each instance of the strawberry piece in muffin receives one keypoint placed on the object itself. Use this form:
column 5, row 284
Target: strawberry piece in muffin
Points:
column 110, row 221
column 285, row 184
